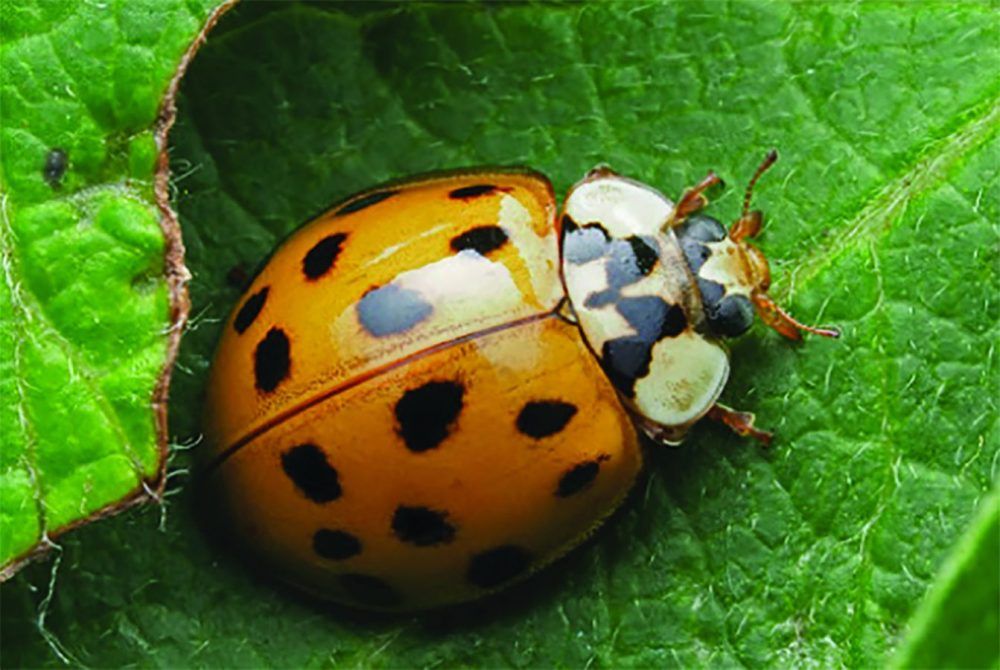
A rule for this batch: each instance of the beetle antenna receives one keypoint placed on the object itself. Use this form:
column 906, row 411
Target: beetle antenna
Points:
column 768, row 161
column 749, row 223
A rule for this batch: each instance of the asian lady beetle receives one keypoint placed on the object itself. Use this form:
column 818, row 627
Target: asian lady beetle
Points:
column 433, row 389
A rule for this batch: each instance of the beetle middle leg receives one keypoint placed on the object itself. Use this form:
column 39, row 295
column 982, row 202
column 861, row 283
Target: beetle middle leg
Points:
column 740, row 423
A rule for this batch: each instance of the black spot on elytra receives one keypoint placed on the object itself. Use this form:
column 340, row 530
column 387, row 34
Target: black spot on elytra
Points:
column 579, row 477
column 312, row 474
column 582, row 245
column 56, row 163
column 335, row 545
column 482, row 240
column 250, row 309
column 541, row 418
column 498, row 565
column 392, row 309
column 426, row 413
column 472, row 191
column 364, row 202
column 652, row 317
column 625, row 360
column 369, row 590
column 631, row 259
column 318, row 261
column 271, row 360
column 422, row 526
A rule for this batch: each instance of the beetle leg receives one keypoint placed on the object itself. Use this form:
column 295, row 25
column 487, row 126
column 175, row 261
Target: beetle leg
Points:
column 692, row 200
column 783, row 322
column 740, row 423
column 669, row 436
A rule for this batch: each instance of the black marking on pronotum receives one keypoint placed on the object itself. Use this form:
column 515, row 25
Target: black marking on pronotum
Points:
column 271, row 360
column 307, row 467
column 335, row 545
column 579, row 477
column 472, row 191
column 645, row 253
column 369, row 590
column 425, row 413
column 652, row 317
column 392, row 309
column 318, row 261
column 542, row 418
column 631, row 259
column 495, row 566
column 482, row 240
column 625, row 360
column 250, row 310
column 422, row 526
column 583, row 244
column 599, row 299
column 364, row 202
column 56, row 163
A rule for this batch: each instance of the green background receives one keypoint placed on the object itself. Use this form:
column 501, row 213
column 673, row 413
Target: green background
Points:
column 881, row 218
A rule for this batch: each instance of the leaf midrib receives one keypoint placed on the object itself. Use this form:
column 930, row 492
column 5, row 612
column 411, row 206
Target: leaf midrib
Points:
column 890, row 202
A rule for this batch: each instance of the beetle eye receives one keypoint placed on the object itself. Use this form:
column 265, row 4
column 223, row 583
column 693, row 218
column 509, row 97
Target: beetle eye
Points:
column 731, row 316
column 694, row 234
column 701, row 228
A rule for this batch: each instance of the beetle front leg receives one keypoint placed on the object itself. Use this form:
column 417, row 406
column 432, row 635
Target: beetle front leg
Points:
column 740, row 423
column 693, row 200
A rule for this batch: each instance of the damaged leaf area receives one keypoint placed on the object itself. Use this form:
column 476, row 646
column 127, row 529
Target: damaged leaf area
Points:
column 91, row 297
column 881, row 217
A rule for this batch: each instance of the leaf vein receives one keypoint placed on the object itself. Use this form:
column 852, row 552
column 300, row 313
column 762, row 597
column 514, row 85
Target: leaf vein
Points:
column 30, row 310
column 891, row 201
column 30, row 438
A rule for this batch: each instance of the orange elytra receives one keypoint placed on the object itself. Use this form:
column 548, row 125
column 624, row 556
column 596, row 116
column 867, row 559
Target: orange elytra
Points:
column 437, row 387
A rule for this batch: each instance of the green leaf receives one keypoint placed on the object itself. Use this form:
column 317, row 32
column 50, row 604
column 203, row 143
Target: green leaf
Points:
column 91, row 300
column 956, row 625
column 882, row 218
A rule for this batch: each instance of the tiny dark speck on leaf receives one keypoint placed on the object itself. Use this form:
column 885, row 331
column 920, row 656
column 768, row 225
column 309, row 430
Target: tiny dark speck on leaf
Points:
column 56, row 162
column 145, row 283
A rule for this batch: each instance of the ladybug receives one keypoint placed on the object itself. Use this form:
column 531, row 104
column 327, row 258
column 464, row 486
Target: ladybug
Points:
column 437, row 387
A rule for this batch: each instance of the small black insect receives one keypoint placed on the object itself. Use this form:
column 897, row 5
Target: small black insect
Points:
column 56, row 162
